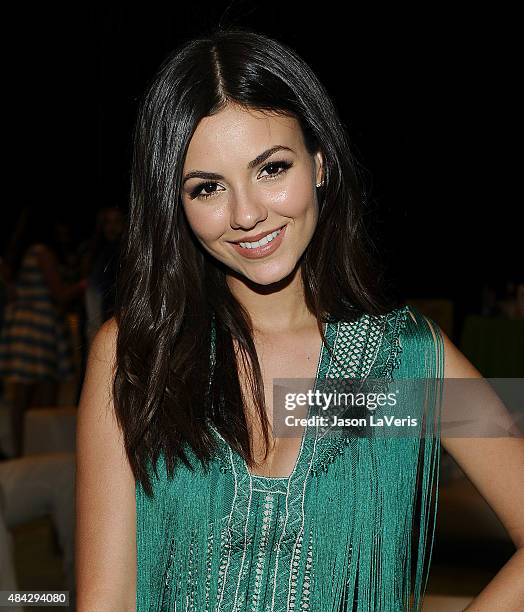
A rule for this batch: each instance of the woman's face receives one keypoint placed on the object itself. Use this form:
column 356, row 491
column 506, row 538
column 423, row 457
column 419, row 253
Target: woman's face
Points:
column 237, row 184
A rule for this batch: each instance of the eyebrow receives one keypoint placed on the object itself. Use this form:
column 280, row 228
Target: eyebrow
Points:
column 255, row 162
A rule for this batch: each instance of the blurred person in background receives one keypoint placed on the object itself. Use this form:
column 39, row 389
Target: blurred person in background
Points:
column 5, row 287
column 102, row 266
column 503, row 297
column 66, row 249
column 98, row 263
column 36, row 350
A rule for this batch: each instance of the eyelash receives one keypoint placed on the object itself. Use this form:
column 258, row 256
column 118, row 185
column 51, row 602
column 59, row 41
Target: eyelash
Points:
column 202, row 196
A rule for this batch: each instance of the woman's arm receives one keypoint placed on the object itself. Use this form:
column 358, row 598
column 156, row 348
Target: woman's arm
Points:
column 61, row 292
column 496, row 467
column 105, row 536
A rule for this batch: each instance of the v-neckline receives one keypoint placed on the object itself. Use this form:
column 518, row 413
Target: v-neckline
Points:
column 286, row 479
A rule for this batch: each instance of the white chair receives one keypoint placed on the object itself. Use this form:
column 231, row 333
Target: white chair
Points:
column 50, row 430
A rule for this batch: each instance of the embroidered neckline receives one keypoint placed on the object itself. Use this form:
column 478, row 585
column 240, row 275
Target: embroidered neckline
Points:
column 387, row 358
column 367, row 346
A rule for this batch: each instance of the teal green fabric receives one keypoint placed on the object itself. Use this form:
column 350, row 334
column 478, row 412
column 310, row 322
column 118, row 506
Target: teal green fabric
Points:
column 337, row 535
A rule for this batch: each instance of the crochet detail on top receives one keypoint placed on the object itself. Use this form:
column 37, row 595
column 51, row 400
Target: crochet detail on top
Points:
column 368, row 347
column 387, row 357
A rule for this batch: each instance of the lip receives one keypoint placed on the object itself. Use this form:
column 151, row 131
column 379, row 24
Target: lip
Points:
column 256, row 236
column 261, row 251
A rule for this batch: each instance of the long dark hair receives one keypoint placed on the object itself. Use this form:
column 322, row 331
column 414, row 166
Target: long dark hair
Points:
column 169, row 289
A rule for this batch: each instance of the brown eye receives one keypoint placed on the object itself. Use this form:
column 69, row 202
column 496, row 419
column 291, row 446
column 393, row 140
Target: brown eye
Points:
column 278, row 164
column 196, row 193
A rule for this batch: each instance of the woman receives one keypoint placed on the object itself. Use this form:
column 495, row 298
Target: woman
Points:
column 36, row 351
column 184, row 501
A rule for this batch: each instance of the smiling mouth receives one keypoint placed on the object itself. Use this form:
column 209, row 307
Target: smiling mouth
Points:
column 262, row 248
column 274, row 233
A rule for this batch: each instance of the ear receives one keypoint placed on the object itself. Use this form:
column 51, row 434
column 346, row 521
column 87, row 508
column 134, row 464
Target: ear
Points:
column 319, row 168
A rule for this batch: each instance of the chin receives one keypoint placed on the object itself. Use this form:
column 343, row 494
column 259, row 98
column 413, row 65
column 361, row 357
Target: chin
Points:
column 269, row 273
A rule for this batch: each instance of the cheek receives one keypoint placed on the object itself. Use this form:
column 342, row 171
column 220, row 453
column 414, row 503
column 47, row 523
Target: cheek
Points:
column 297, row 199
column 208, row 221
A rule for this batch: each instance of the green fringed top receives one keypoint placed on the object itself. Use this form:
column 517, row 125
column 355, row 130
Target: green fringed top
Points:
column 338, row 535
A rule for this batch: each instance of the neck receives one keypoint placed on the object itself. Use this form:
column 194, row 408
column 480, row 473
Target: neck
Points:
column 275, row 308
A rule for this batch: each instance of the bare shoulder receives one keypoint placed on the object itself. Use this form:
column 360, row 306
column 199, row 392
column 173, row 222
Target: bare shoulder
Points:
column 103, row 347
column 456, row 364
column 100, row 371
column 492, row 464
column 105, row 489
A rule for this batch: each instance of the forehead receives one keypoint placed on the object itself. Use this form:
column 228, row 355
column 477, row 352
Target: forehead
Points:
column 238, row 135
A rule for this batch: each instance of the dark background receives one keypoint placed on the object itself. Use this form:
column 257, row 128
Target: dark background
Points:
column 428, row 98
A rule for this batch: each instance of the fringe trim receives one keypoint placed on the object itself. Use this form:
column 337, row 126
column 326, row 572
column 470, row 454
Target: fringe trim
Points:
column 185, row 543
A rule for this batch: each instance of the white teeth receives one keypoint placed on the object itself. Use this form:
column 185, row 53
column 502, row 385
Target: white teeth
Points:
column 261, row 242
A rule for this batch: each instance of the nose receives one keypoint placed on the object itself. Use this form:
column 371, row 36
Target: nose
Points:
column 246, row 211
